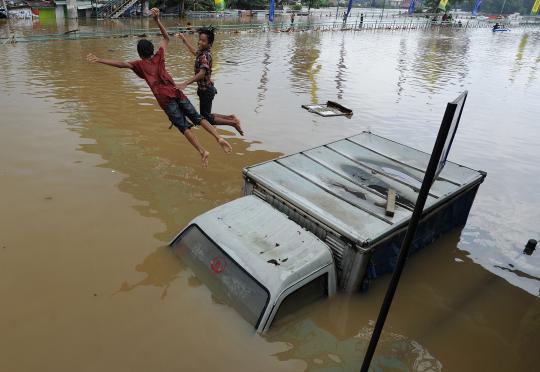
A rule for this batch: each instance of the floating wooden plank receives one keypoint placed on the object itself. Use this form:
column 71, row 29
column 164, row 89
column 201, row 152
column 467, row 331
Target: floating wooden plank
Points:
column 391, row 203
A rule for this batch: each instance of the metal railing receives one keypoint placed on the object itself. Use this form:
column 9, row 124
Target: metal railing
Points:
column 115, row 8
column 126, row 5
column 353, row 25
column 106, row 10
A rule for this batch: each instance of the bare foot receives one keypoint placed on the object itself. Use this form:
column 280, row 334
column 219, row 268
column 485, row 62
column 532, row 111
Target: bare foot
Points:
column 237, row 125
column 204, row 158
column 225, row 145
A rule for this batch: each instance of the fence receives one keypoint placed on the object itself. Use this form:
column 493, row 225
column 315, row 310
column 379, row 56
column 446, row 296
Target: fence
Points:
column 351, row 25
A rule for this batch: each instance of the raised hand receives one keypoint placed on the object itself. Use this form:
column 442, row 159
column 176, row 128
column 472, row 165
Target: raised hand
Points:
column 155, row 13
column 92, row 58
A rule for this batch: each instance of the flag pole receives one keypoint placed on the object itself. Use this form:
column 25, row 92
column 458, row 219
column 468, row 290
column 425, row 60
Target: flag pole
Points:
column 437, row 160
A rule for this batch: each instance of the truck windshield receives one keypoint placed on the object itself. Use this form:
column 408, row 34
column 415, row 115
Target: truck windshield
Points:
column 227, row 281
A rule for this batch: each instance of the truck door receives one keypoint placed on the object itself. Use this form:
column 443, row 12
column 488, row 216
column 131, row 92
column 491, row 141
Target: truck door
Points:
column 304, row 293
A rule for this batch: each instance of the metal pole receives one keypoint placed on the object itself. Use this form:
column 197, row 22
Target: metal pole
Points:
column 404, row 252
column 431, row 173
column 502, row 8
column 337, row 10
column 4, row 5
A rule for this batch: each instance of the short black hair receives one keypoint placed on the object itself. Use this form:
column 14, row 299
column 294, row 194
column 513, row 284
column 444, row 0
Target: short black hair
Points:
column 209, row 32
column 145, row 48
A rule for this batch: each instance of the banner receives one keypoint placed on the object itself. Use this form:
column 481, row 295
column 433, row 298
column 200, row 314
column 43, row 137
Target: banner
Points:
column 272, row 10
column 412, row 6
column 349, row 7
column 477, row 7
column 536, row 6
column 219, row 5
column 442, row 4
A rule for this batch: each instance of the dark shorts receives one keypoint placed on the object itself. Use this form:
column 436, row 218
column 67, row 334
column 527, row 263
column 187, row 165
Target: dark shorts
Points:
column 178, row 110
column 205, row 99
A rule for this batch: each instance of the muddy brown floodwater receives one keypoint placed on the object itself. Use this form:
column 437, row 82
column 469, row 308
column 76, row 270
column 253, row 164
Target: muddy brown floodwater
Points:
column 94, row 185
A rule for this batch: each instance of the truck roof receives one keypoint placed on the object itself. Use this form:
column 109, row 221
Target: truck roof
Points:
column 344, row 185
column 273, row 249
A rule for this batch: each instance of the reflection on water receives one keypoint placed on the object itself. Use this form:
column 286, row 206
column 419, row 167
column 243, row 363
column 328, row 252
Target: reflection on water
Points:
column 442, row 60
column 323, row 351
column 341, row 69
column 160, row 269
column 264, row 74
column 519, row 55
column 402, row 68
column 304, row 65
column 105, row 195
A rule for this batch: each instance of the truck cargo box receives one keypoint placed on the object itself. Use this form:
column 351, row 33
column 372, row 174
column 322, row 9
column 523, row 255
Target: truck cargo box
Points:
column 339, row 192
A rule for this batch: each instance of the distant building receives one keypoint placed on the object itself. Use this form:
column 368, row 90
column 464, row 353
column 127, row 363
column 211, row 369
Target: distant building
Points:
column 84, row 8
column 31, row 9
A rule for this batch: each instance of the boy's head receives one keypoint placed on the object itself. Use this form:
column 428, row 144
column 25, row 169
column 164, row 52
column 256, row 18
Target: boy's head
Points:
column 145, row 48
column 206, row 38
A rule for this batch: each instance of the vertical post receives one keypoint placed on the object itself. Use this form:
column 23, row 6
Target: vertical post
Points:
column 437, row 160
column 404, row 252
column 72, row 9
column 4, row 5
column 502, row 8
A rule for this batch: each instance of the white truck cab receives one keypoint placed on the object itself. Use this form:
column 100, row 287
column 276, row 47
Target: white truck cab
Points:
column 256, row 260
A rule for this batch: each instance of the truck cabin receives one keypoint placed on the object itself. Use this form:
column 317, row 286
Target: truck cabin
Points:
column 256, row 260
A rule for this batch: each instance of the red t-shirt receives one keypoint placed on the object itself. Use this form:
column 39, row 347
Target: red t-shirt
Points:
column 158, row 79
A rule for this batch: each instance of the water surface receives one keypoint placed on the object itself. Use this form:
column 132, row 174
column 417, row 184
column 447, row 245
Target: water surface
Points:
column 94, row 185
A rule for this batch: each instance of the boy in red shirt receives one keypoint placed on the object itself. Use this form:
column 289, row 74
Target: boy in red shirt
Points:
column 151, row 67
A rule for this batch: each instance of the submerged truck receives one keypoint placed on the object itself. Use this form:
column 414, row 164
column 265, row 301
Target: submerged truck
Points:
column 323, row 220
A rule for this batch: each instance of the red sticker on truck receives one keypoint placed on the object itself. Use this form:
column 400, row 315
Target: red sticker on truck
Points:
column 217, row 265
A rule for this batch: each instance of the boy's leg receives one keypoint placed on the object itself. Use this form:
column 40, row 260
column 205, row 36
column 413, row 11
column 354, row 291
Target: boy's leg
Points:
column 206, row 97
column 210, row 129
column 223, row 116
column 195, row 142
column 205, row 103
column 229, row 120
column 178, row 119
column 189, row 111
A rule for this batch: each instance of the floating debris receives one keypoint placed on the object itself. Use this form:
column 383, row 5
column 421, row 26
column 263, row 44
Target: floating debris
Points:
column 330, row 108
column 530, row 247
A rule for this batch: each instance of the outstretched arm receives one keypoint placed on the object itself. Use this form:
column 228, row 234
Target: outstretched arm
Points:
column 197, row 77
column 165, row 42
column 188, row 45
column 110, row 62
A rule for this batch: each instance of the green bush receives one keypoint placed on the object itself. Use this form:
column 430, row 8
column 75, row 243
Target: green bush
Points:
column 297, row 7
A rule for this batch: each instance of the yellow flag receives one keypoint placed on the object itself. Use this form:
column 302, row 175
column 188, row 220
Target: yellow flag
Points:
column 443, row 3
column 220, row 4
column 534, row 10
